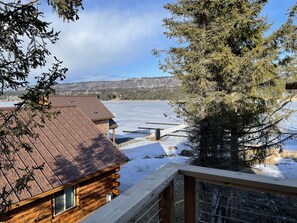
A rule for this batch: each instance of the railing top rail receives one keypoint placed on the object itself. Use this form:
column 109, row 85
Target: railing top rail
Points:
column 130, row 202
column 238, row 179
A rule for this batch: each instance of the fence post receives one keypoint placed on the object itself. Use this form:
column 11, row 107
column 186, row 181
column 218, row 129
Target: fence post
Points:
column 190, row 199
column 166, row 204
column 157, row 134
column 113, row 135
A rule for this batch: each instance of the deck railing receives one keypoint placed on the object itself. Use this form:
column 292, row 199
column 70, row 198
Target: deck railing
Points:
column 183, row 193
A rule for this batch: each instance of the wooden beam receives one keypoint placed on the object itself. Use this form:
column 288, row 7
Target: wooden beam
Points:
column 240, row 180
column 135, row 131
column 171, row 130
column 176, row 135
column 163, row 123
column 150, row 128
column 166, row 204
column 190, row 199
column 113, row 135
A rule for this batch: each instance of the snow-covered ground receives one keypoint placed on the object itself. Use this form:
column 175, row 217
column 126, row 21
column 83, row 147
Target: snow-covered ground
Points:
column 286, row 168
column 290, row 125
column 145, row 156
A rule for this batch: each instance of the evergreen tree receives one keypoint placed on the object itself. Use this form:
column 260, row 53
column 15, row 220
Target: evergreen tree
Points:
column 24, row 35
column 233, row 75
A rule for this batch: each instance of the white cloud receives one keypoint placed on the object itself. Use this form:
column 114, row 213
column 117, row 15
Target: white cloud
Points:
column 102, row 38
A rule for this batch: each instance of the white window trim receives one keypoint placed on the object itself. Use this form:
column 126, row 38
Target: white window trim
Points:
column 64, row 201
column 109, row 197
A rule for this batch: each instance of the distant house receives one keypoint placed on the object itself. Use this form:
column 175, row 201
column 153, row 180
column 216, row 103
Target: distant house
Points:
column 79, row 175
column 92, row 107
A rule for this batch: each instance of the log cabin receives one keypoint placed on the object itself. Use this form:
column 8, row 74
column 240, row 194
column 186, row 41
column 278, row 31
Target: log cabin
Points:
column 92, row 107
column 79, row 173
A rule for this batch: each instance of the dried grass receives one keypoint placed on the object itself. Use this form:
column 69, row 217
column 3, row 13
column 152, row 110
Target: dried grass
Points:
column 289, row 155
column 273, row 156
column 272, row 159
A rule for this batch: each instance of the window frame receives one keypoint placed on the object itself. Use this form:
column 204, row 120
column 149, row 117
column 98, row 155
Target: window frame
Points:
column 64, row 201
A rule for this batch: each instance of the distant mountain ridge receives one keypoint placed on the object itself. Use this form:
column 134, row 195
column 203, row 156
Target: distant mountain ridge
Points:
column 131, row 83
column 143, row 88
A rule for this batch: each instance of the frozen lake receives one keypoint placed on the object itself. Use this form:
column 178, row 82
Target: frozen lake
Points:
column 129, row 115
column 8, row 103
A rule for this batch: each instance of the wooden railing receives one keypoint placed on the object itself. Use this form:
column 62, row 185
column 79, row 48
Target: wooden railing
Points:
column 159, row 185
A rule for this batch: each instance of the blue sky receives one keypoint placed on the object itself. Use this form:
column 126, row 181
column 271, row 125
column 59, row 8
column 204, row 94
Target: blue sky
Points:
column 113, row 39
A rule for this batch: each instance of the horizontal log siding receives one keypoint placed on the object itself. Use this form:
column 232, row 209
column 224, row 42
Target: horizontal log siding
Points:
column 38, row 211
column 90, row 194
column 103, row 126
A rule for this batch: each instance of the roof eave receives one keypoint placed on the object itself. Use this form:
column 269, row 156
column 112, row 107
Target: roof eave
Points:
column 47, row 193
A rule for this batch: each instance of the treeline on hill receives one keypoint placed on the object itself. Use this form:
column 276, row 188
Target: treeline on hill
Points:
column 131, row 94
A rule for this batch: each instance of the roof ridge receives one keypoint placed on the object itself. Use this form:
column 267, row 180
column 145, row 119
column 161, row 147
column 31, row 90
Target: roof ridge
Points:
column 53, row 106
column 7, row 108
column 63, row 106
column 59, row 95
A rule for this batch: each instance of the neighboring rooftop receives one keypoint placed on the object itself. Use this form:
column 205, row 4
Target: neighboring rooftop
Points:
column 112, row 124
column 70, row 146
column 90, row 105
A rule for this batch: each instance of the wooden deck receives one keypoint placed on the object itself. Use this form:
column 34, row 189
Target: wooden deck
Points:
column 130, row 202
column 170, row 131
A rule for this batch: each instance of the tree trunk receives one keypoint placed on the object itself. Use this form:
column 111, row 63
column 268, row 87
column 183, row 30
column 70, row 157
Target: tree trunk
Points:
column 203, row 143
column 234, row 150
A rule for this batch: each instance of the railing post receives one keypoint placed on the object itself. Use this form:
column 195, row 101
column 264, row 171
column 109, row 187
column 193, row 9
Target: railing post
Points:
column 166, row 204
column 113, row 135
column 190, row 199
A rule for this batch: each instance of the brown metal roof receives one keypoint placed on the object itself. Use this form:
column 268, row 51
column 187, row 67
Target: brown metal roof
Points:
column 70, row 146
column 90, row 105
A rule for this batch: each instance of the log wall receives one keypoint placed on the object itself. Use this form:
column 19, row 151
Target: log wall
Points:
column 90, row 195
column 103, row 126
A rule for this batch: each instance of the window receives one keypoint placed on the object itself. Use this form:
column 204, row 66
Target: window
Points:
column 109, row 197
column 64, row 200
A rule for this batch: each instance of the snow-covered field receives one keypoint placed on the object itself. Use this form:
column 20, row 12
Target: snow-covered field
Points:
column 148, row 156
